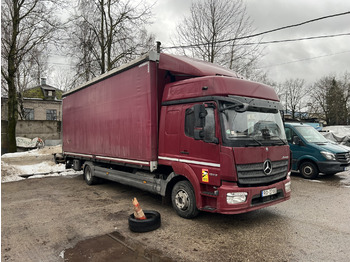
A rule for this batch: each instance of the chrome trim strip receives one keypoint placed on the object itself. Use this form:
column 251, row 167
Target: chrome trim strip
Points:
column 123, row 160
column 77, row 154
column 189, row 161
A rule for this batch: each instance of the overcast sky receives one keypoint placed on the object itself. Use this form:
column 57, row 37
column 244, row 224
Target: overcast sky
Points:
column 333, row 53
column 320, row 57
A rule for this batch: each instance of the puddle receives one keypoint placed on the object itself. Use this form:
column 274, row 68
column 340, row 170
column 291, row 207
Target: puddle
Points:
column 112, row 247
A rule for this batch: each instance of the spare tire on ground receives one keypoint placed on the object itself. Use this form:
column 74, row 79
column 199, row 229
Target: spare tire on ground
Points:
column 152, row 222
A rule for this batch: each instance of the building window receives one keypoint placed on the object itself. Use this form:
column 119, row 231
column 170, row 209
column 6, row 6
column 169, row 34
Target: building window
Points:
column 51, row 114
column 28, row 113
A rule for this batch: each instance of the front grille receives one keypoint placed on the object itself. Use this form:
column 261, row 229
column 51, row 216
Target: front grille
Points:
column 253, row 174
column 343, row 157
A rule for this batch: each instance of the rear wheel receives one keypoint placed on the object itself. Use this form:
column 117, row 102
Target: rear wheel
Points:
column 184, row 200
column 89, row 176
column 308, row 170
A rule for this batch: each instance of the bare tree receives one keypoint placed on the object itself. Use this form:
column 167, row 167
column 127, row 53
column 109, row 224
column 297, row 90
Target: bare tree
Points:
column 204, row 33
column 33, row 67
column 295, row 92
column 345, row 87
column 25, row 25
column 63, row 78
column 106, row 33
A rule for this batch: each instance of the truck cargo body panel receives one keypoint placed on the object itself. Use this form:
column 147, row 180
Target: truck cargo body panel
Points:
column 115, row 118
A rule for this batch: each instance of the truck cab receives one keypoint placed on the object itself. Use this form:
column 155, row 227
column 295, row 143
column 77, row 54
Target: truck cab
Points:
column 313, row 153
column 231, row 147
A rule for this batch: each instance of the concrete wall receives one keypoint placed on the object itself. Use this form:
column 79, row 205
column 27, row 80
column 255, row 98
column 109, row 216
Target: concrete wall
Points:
column 45, row 129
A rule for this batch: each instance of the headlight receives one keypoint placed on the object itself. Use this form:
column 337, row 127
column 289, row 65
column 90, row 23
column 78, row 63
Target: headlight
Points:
column 287, row 187
column 328, row 155
column 236, row 198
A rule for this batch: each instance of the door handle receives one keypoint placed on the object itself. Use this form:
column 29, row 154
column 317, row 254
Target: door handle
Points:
column 185, row 152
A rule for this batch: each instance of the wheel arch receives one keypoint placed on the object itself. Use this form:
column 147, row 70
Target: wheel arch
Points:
column 89, row 163
column 307, row 159
column 182, row 171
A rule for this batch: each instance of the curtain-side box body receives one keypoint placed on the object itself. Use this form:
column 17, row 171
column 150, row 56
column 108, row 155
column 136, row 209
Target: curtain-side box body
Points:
column 115, row 116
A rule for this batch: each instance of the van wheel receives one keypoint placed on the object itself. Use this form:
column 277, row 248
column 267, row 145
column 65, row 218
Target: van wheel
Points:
column 88, row 176
column 308, row 170
column 184, row 200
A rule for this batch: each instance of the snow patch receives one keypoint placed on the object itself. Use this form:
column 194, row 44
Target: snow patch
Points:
column 315, row 181
column 20, row 169
column 44, row 167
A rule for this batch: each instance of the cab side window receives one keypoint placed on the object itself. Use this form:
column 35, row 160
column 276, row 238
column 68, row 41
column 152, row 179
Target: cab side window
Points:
column 209, row 125
column 200, row 123
column 290, row 134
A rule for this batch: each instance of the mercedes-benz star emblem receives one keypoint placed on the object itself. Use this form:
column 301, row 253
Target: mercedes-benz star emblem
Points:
column 267, row 167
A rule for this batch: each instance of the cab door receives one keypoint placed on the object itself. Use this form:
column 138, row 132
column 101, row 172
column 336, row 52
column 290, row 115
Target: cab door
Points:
column 199, row 145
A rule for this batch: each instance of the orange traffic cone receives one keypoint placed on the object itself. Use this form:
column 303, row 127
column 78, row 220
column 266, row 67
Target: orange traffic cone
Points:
column 138, row 213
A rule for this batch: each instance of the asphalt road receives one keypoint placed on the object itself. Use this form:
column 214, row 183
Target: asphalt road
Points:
column 63, row 219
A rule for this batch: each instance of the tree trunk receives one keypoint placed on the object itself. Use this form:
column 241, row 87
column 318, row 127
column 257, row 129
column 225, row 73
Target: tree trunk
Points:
column 12, row 90
column 12, row 114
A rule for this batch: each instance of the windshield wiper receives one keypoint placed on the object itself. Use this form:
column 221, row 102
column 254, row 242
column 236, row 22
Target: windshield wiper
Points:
column 242, row 107
column 255, row 140
column 281, row 140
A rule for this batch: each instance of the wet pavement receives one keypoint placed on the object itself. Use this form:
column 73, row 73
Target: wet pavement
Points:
column 112, row 247
column 63, row 219
column 338, row 180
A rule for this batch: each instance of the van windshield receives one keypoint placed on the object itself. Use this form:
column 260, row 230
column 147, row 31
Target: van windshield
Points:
column 310, row 134
column 252, row 127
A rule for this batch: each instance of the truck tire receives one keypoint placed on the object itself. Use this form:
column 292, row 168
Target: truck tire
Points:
column 152, row 222
column 184, row 199
column 309, row 170
column 89, row 177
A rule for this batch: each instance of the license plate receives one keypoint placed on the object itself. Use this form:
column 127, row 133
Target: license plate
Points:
column 269, row 192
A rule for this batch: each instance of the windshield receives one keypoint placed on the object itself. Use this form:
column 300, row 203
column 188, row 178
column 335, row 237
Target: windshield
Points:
column 253, row 127
column 310, row 134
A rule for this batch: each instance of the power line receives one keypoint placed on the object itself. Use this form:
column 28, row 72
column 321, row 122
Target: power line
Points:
column 304, row 59
column 294, row 40
column 262, row 33
column 266, row 42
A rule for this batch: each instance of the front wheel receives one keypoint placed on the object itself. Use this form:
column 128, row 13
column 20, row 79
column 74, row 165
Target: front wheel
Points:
column 308, row 170
column 184, row 200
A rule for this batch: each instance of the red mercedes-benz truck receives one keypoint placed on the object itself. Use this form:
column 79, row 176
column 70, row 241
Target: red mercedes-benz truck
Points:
column 182, row 128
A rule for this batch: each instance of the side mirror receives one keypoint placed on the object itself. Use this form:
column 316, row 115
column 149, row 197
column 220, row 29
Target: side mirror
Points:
column 297, row 141
column 199, row 121
column 209, row 138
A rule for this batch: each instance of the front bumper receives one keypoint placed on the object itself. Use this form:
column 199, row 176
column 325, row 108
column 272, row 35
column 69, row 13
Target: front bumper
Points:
column 332, row 167
column 254, row 197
